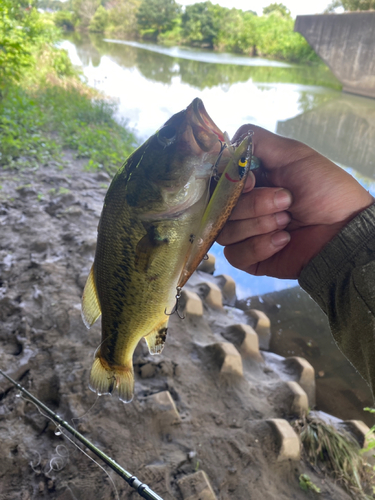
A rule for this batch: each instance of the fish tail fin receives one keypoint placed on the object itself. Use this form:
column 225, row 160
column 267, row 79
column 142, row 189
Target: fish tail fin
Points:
column 104, row 379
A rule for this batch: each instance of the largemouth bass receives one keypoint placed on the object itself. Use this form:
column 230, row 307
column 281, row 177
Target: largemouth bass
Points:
column 158, row 222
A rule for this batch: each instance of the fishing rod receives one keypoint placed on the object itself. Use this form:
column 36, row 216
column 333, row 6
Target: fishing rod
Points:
column 142, row 489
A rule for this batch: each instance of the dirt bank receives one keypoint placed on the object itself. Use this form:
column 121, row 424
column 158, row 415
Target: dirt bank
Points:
column 48, row 221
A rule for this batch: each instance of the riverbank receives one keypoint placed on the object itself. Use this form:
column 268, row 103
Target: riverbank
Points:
column 192, row 413
column 38, row 121
column 45, row 106
column 203, row 25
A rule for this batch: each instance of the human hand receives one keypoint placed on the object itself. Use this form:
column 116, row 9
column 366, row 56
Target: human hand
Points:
column 261, row 237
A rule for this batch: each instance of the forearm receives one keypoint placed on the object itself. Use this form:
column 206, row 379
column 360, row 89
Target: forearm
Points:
column 341, row 279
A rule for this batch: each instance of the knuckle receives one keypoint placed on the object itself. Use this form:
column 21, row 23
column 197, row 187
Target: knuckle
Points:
column 261, row 202
column 266, row 224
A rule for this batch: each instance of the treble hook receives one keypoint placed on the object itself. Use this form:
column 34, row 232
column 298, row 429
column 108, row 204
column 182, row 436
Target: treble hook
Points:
column 175, row 307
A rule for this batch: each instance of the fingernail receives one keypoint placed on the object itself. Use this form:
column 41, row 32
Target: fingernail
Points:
column 280, row 239
column 282, row 199
column 282, row 218
column 250, row 182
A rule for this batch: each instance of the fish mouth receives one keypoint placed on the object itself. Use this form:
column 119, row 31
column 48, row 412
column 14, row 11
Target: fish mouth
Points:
column 192, row 127
column 206, row 133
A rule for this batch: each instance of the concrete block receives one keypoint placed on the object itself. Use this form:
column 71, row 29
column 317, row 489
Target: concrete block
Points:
column 288, row 443
column 211, row 294
column 262, row 327
column 196, row 487
column 300, row 402
column 228, row 289
column 245, row 339
column 226, row 357
column 359, row 430
column 191, row 303
column 208, row 265
column 303, row 373
column 164, row 407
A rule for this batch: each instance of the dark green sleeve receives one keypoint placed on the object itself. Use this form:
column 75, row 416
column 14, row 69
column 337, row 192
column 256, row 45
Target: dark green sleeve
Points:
column 341, row 279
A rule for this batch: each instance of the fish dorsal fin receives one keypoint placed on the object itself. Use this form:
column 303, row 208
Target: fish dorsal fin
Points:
column 156, row 339
column 90, row 302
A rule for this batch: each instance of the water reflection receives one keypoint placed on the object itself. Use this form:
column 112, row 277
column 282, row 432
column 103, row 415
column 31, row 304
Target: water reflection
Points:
column 192, row 65
column 343, row 129
column 206, row 56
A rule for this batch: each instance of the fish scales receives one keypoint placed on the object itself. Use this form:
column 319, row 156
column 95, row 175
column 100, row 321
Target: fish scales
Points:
column 151, row 214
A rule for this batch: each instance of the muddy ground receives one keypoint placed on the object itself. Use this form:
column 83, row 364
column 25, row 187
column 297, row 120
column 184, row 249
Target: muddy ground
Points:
column 48, row 221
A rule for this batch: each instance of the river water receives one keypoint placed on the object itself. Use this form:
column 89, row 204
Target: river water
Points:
column 151, row 83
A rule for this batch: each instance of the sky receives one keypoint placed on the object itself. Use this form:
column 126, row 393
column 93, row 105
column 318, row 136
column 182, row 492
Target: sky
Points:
column 296, row 7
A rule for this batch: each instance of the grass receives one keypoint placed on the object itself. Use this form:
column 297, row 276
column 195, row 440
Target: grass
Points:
column 337, row 453
column 38, row 121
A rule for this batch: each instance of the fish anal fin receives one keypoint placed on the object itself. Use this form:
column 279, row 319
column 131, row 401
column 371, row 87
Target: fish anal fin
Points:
column 105, row 379
column 156, row 339
column 147, row 247
column 90, row 302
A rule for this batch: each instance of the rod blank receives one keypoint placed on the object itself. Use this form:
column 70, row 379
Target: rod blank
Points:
column 142, row 489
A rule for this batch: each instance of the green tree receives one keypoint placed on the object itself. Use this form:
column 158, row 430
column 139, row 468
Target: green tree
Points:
column 157, row 16
column 64, row 19
column 352, row 5
column 22, row 32
column 122, row 17
column 99, row 21
column 201, row 23
column 278, row 8
column 276, row 38
column 238, row 33
column 85, row 10
column 53, row 5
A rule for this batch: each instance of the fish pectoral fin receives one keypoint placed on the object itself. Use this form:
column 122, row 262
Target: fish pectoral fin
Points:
column 105, row 379
column 156, row 339
column 90, row 302
column 147, row 247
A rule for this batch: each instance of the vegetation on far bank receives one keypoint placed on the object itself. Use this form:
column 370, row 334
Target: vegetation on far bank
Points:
column 44, row 105
column 202, row 24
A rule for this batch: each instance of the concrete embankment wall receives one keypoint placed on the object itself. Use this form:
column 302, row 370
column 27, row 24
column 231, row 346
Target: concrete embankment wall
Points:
column 346, row 43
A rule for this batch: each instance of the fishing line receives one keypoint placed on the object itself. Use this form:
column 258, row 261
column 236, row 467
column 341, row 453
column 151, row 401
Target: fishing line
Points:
column 59, row 461
column 142, row 489
column 101, row 343
column 53, row 460
column 86, row 412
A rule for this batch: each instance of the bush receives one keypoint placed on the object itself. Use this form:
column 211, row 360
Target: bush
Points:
column 100, row 20
column 23, row 32
column 36, row 125
column 276, row 38
column 122, row 18
column 64, row 19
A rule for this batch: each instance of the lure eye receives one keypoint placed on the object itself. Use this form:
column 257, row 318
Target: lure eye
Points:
column 242, row 163
column 166, row 135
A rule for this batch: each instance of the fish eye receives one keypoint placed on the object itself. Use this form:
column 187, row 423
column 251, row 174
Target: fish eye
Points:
column 166, row 135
